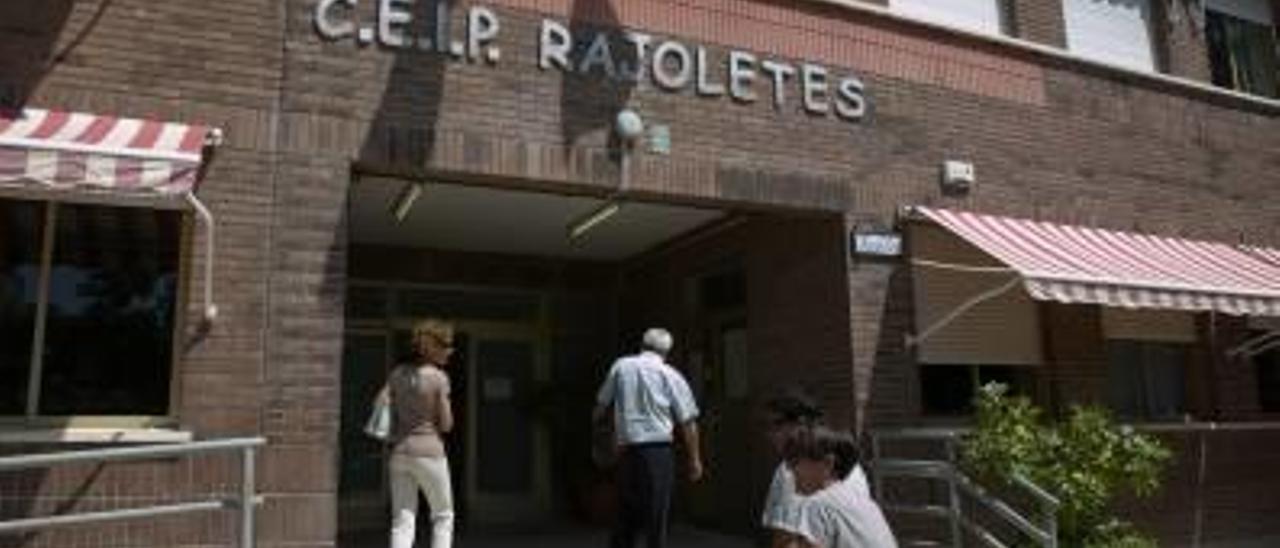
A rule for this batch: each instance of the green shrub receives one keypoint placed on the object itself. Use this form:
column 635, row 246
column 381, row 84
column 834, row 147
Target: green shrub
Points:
column 1084, row 459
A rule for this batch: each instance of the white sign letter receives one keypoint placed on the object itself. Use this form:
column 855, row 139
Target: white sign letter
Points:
column 392, row 15
column 329, row 28
column 780, row 72
column 482, row 27
column 705, row 86
column 641, row 43
column 814, row 82
column 664, row 75
column 742, row 72
column 851, row 104
column 555, row 45
column 599, row 53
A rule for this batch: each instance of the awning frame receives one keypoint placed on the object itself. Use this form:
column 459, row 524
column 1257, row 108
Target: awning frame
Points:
column 26, row 186
column 1083, row 263
column 1249, row 348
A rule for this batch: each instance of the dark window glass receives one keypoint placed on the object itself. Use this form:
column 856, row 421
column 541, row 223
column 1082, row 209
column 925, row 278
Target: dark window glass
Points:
column 20, row 230
column 109, row 333
column 472, row 305
column 724, row 290
column 1021, row 380
column 949, row 389
column 1242, row 54
column 1146, row 379
column 1268, row 367
column 946, row 389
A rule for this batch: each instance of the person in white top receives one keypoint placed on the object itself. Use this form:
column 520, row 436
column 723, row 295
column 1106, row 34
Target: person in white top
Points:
column 832, row 512
column 791, row 411
column 650, row 400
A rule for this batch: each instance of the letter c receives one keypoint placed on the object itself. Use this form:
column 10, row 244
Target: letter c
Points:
column 327, row 26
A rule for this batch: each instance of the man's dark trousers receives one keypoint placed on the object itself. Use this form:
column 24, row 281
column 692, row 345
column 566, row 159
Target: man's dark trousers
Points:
column 645, row 475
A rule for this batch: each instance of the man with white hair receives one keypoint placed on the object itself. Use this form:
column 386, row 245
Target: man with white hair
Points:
column 650, row 399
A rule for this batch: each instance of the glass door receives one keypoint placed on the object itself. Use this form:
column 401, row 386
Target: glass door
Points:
column 508, row 446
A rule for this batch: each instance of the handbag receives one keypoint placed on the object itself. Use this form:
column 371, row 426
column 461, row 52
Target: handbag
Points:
column 378, row 426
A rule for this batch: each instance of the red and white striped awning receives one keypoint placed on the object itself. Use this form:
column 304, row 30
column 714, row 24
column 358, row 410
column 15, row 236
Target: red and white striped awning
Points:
column 71, row 150
column 1077, row 264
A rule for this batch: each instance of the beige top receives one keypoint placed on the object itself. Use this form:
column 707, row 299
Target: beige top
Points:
column 420, row 401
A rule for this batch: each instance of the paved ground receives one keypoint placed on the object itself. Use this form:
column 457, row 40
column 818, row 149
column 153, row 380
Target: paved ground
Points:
column 682, row 537
column 569, row 537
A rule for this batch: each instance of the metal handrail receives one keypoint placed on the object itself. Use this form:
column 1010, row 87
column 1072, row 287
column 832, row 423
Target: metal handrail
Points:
column 245, row 500
column 1045, row 534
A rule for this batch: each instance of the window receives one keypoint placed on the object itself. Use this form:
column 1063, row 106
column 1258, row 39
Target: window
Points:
column 110, row 288
column 1117, row 32
column 983, row 16
column 1146, row 380
column 1242, row 46
column 19, row 272
column 948, row 390
column 1267, row 365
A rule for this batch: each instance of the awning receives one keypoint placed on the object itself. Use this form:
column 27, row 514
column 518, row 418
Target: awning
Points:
column 71, row 150
column 1077, row 264
column 74, row 152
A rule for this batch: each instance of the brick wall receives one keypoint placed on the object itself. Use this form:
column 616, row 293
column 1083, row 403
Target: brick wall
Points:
column 1049, row 139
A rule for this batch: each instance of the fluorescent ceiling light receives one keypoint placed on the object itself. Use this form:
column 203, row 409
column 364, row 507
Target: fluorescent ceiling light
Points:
column 404, row 201
column 598, row 215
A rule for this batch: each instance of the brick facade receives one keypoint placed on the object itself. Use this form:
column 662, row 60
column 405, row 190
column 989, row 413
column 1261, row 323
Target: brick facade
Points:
column 1050, row 139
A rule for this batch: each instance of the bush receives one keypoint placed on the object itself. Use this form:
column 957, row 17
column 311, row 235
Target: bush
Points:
column 1085, row 460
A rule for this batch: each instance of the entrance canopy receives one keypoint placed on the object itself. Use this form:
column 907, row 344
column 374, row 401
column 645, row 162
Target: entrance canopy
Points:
column 71, row 150
column 1077, row 264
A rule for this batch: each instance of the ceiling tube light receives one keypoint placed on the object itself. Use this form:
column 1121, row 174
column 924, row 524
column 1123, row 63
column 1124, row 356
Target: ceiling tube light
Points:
column 404, row 201
column 598, row 215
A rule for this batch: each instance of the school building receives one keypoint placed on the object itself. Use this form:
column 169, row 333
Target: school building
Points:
column 220, row 219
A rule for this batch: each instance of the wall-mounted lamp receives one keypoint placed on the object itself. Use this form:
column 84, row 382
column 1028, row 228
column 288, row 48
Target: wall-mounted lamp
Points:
column 630, row 127
column 958, row 178
column 404, row 201
column 596, row 216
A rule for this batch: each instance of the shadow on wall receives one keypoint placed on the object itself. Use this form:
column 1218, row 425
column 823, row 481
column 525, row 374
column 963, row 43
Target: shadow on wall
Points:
column 603, row 70
column 402, row 133
column 34, row 38
column 887, row 404
column 593, row 93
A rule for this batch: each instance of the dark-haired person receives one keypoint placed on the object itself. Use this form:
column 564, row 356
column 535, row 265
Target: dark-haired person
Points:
column 791, row 411
column 831, row 513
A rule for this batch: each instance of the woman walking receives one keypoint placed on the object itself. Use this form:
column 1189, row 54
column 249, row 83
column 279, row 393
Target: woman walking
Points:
column 419, row 397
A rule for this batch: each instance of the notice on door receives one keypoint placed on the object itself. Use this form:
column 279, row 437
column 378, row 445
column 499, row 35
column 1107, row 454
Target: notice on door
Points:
column 498, row 389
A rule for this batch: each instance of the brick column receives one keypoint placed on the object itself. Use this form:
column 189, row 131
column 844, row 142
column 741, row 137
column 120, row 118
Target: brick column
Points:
column 1040, row 21
column 880, row 315
column 1180, row 40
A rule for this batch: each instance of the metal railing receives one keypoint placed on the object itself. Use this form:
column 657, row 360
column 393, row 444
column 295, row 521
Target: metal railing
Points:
column 244, row 501
column 1041, row 529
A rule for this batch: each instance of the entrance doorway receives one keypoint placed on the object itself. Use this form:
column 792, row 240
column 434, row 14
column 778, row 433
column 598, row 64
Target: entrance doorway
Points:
column 541, row 310
column 499, row 454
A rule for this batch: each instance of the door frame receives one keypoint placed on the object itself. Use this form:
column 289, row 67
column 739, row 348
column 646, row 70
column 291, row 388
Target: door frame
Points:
column 493, row 508
column 366, row 510
column 483, row 509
